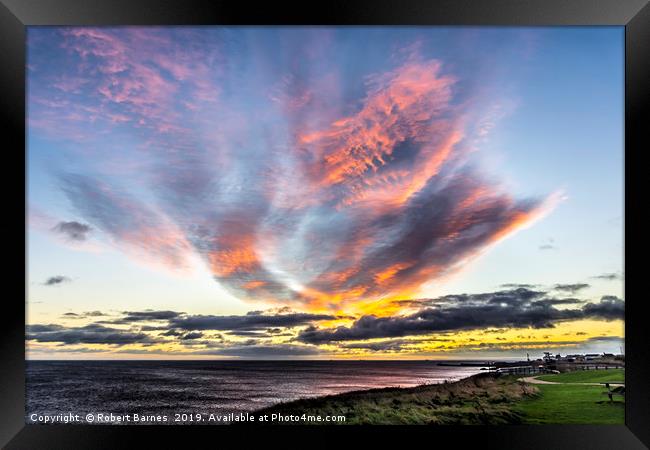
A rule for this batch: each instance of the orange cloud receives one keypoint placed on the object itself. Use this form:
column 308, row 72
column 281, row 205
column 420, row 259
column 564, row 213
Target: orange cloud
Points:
column 358, row 202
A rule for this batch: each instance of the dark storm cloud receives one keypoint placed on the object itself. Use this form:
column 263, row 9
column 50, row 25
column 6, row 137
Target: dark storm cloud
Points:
column 560, row 301
column 192, row 335
column 57, row 279
column 89, row 334
column 263, row 324
column 519, row 285
column 37, row 328
column 144, row 316
column 71, row 315
column 506, row 297
column 251, row 333
column 171, row 332
column 608, row 276
column 141, row 316
column 74, row 231
column 246, row 322
column 609, row 308
column 149, row 327
column 572, row 288
column 605, row 339
column 495, row 331
column 518, row 308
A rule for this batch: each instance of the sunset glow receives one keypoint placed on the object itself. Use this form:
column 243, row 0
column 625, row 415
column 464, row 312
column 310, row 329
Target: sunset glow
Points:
column 330, row 192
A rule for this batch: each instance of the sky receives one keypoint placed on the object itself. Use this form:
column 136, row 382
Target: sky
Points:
column 324, row 192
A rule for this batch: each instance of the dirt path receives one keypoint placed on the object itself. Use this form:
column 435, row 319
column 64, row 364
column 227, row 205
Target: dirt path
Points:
column 534, row 380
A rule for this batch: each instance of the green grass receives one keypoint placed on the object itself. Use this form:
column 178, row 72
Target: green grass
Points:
column 587, row 376
column 571, row 404
column 481, row 399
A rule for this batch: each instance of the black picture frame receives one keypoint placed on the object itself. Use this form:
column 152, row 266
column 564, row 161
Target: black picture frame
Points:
column 16, row 15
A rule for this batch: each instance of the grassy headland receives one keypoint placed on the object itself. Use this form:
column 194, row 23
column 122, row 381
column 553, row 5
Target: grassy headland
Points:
column 480, row 399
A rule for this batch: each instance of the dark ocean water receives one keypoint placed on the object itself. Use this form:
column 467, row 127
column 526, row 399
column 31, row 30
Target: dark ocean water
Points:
column 210, row 387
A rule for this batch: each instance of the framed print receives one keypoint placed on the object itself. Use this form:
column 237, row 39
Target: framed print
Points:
column 410, row 217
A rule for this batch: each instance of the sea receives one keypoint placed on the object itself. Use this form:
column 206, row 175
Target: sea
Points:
column 183, row 389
